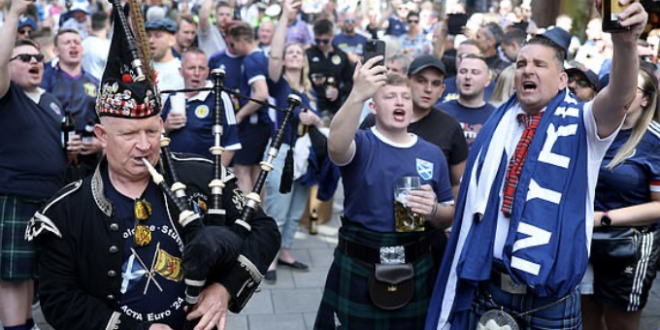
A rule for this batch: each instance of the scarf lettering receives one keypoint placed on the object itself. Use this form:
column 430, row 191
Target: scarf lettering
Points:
column 546, row 155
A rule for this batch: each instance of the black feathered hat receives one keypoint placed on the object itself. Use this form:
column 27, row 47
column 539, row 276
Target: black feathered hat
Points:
column 128, row 87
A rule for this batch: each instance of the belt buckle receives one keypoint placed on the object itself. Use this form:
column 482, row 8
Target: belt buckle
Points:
column 393, row 255
column 507, row 285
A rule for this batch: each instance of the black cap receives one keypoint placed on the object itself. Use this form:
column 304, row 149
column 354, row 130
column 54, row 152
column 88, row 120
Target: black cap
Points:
column 424, row 62
column 589, row 75
column 161, row 24
column 560, row 37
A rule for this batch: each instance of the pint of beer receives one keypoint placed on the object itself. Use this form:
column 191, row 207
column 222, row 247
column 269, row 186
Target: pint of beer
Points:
column 404, row 219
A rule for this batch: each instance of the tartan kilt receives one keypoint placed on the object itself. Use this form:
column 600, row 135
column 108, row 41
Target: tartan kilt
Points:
column 346, row 303
column 18, row 261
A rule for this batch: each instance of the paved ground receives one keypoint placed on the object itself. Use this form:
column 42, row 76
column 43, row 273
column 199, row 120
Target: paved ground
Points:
column 292, row 302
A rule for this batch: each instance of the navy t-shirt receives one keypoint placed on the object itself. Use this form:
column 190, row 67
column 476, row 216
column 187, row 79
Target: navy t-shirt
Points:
column 158, row 264
column 77, row 94
column 279, row 93
column 632, row 181
column 451, row 91
column 369, row 178
column 233, row 66
column 396, row 27
column 196, row 136
column 32, row 161
column 471, row 119
column 255, row 67
column 350, row 44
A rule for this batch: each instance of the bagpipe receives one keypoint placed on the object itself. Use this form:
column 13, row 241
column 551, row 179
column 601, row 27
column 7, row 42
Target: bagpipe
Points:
column 212, row 245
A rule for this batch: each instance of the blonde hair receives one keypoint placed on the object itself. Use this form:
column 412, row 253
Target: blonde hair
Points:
column 504, row 87
column 649, row 89
column 304, row 74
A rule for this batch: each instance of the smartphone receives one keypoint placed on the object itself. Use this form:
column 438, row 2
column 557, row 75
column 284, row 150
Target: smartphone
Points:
column 374, row 48
column 610, row 11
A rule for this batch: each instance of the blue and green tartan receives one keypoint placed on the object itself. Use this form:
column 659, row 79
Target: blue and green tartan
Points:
column 346, row 303
column 18, row 260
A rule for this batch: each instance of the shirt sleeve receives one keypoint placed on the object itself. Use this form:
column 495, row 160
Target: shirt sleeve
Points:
column 254, row 71
column 443, row 189
column 361, row 148
column 460, row 148
column 597, row 146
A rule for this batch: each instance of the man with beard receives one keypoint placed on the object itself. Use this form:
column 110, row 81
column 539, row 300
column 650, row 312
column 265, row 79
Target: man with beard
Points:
column 160, row 33
column 185, row 35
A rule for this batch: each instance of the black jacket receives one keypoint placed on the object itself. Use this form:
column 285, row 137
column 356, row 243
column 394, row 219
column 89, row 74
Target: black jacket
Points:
column 80, row 246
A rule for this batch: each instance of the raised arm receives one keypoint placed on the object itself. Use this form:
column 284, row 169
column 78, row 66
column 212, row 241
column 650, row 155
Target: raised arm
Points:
column 611, row 104
column 367, row 80
column 275, row 62
column 7, row 40
column 205, row 15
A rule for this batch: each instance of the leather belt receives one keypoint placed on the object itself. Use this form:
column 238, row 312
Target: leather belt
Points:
column 373, row 254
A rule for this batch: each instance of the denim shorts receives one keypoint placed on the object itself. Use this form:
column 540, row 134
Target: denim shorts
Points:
column 562, row 315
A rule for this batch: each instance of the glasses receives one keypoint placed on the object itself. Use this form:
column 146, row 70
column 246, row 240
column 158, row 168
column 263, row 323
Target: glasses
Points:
column 349, row 21
column 322, row 41
column 413, row 21
column 27, row 58
column 28, row 32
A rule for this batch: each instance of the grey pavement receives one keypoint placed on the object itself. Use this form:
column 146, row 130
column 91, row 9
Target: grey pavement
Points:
column 291, row 303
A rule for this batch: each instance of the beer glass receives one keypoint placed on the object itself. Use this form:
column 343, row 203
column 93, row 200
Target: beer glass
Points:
column 406, row 220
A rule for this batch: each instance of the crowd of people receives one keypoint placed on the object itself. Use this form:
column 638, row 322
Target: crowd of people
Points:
column 536, row 155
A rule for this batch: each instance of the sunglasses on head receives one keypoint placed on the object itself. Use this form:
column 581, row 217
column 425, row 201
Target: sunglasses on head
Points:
column 27, row 58
column 322, row 41
column 411, row 21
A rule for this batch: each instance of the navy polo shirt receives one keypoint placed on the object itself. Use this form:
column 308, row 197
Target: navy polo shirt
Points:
column 152, row 287
column 280, row 93
column 350, row 44
column 369, row 178
column 77, row 94
column 197, row 136
column 233, row 66
column 33, row 162
column 632, row 181
column 471, row 119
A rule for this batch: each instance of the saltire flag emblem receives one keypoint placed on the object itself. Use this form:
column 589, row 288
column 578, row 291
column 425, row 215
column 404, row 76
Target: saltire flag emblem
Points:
column 424, row 169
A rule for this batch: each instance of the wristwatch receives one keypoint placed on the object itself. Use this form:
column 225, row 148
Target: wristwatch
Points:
column 605, row 220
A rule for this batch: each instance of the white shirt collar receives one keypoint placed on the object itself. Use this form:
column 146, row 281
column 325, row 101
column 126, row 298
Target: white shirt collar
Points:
column 387, row 141
column 202, row 96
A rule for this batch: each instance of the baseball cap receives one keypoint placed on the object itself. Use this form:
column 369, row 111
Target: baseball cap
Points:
column 424, row 62
column 590, row 76
column 27, row 21
column 161, row 24
column 80, row 6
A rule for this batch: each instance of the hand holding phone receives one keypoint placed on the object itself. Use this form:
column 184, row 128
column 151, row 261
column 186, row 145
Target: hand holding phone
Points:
column 374, row 48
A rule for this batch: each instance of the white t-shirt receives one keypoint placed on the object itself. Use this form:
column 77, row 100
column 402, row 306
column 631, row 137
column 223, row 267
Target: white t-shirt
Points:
column 96, row 55
column 168, row 76
column 82, row 28
column 211, row 41
column 596, row 148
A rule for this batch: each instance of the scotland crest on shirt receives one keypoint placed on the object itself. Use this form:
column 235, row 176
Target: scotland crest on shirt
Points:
column 424, row 169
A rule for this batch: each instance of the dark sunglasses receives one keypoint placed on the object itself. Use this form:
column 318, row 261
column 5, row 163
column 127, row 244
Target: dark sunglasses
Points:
column 322, row 41
column 28, row 32
column 580, row 82
column 27, row 58
column 411, row 21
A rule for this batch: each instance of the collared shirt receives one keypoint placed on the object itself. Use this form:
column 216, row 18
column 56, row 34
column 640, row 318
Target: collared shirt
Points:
column 197, row 136
column 414, row 46
column 350, row 44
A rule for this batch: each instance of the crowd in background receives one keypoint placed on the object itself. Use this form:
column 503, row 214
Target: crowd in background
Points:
column 270, row 49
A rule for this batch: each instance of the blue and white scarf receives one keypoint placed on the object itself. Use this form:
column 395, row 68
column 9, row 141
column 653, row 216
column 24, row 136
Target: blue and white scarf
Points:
column 546, row 245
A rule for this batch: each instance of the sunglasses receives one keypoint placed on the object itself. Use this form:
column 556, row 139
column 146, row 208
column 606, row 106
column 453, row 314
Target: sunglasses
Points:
column 349, row 21
column 28, row 32
column 580, row 83
column 27, row 58
column 322, row 41
column 413, row 21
